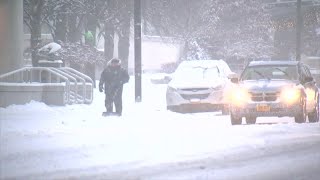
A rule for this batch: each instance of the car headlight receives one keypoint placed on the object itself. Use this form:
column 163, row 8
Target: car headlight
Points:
column 290, row 95
column 239, row 96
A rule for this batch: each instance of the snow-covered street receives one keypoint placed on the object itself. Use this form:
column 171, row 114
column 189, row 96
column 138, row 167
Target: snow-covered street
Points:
column 148, row 142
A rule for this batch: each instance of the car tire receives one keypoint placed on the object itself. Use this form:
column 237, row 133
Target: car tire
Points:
column 171, row 108
column 314, row 116
column 225, row 110
column 251, row 120
column 235, row 121
column 302, row 116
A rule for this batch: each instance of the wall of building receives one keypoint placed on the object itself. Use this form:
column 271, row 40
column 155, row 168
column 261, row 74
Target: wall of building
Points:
column 11, row 35
column 156, row 51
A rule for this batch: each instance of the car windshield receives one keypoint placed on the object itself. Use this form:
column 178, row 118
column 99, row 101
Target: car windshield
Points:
column 288, row 72
column 196, row 73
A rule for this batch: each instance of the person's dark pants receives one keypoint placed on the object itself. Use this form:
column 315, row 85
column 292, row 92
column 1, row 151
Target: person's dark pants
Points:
column 114, row 96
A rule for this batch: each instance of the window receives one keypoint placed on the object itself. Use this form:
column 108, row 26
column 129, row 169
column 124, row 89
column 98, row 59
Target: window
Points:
column 288, row 72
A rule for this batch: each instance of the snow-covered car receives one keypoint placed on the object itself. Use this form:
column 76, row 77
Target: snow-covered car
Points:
column 274, row 88
column 199, row 86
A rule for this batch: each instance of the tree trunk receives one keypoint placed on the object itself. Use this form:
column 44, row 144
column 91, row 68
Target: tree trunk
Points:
column 35, row 29
column 124, row 43
column 61, row 28
column 108, row 40
column 186, row 49
column 74, row 34
column 124, row 34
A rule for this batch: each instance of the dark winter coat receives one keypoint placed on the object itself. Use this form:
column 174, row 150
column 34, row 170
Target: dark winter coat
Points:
column 113, row 78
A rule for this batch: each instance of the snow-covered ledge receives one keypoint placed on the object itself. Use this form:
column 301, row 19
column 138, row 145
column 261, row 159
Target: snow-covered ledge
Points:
column 47, row 63
column 22, row 93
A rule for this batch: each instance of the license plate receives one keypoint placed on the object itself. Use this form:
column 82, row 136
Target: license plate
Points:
column 195, row 101
column 263, row 108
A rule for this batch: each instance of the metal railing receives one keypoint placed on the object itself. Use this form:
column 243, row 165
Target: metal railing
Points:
column 290, row 3
column 79, row 87
column 86, row 82
column 73, row 86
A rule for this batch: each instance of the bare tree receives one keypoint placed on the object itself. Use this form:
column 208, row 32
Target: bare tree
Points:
column 123, row 29
column 33, row 19
column 116, row 18
column 220, row 29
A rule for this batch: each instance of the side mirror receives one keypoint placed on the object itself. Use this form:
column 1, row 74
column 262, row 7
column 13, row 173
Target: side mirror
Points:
column 232, row 75
column 308, row 79
column 167, row 78
column 235, row 80
column 160, row 78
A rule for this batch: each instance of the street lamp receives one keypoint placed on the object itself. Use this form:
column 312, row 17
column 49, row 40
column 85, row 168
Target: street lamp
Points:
column 298, row 31
column 137, row 49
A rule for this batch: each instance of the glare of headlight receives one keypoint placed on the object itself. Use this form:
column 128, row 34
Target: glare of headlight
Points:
column 239, row 97
column 290, row 95
column 310, row 94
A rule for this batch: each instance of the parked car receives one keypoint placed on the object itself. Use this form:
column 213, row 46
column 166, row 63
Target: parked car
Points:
column 199, row 86
column 274, row 88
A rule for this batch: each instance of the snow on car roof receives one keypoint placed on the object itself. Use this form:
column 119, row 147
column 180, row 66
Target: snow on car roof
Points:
column 278, row 62
column 200, row 62
column 206, row 64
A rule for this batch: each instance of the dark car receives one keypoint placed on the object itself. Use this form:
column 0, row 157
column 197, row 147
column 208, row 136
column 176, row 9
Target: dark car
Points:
column 274, row 88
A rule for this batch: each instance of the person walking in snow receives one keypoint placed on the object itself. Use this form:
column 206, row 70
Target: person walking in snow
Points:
column 111, row 82
column 89, row 39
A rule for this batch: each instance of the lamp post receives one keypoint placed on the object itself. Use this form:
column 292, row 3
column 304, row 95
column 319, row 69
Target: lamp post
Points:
column 137, row 49
column 298, row 31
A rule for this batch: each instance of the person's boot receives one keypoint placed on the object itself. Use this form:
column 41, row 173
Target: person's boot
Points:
column 118, row 113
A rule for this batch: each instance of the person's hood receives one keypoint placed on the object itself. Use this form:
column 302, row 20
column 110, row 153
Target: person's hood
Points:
column 109, row 62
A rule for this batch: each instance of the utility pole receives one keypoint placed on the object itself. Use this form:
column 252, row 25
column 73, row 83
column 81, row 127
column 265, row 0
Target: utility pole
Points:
column 137, row 49
column 299, row 25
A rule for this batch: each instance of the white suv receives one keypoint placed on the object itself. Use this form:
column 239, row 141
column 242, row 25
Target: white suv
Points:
column 198, row 86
